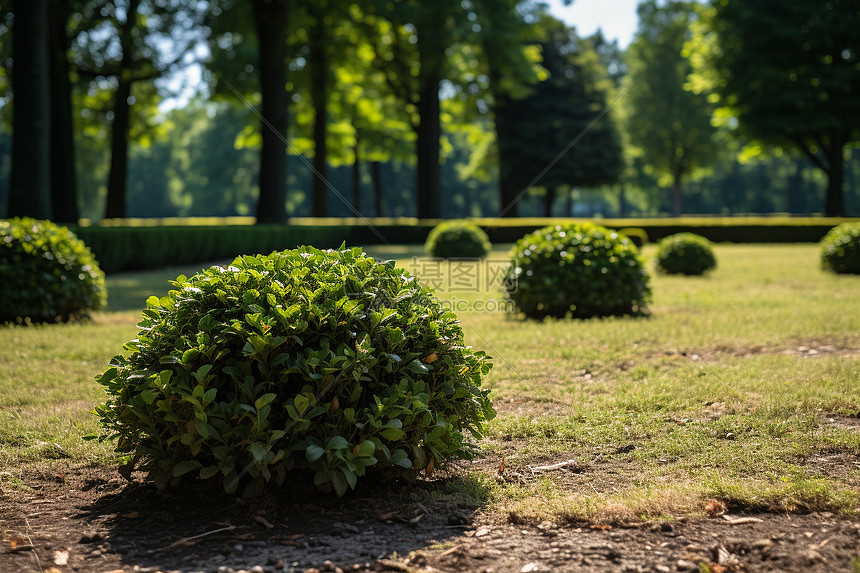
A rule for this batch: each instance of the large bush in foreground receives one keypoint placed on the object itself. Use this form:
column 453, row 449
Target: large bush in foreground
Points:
column 325, row 361
column 685, row 254
column 457, row 239
column 47, row 273
column 581, row 270
column 840, row 249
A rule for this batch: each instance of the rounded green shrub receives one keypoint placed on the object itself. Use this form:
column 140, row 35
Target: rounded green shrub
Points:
column 48, row 274
column 840, row 249
column 457, row 239
column 580, row 270
column 685, row 254
column 301, row 363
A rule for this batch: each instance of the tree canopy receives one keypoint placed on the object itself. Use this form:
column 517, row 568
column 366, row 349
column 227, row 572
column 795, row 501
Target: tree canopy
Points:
column 789, row 72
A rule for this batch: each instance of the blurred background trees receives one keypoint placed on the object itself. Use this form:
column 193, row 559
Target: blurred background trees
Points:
column 287, row 108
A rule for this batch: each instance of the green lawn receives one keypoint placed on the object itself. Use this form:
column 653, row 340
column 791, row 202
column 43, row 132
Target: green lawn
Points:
column 742, row 386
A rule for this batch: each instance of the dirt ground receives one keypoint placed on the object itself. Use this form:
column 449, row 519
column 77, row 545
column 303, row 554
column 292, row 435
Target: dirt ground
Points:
column 91, row 520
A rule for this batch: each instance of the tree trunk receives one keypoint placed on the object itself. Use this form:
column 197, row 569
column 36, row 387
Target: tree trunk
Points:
column 376, row 175
column 64, row 189
column 548, row 201
column 318, row 63
column 676, row 193
column 270, row 23
column 835, row 205
column 116, row 197
column 623, row 207
column 30, row 180
column 356, row 176
column 795, row 188
column 429, row 130
column 428, row 172
column 508, row 190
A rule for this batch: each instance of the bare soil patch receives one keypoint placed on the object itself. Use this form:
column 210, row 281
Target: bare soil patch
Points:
column 90, row 520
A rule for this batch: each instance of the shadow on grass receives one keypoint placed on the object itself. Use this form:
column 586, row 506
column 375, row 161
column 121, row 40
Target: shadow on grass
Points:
column 200, row 527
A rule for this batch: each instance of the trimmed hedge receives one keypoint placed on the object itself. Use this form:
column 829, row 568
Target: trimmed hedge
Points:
column 580, row 270
column 685, row 254
column 457, row 239
column 47, row 273
column 144, row 244
column 138, row 248
column 304, row 362
column 840, row 249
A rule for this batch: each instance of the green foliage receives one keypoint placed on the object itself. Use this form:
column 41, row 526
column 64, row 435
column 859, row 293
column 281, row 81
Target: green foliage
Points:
column 787, row 72
column 325, row 361
column 48, row 274
column 568, row 106
column 685, row 254
column 582, row 270
column 457, row 239
column 669, row 125
column 840, row 249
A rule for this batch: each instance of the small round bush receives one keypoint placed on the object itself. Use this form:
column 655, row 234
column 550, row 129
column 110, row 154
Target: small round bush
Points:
column 48, row 274
column 685, row 254
column 457, row 239
column 580, row 270
column 840, row 249
column 301, row 364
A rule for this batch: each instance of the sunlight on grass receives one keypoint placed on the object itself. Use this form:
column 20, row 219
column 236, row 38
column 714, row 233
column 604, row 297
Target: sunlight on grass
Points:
column 741, row 386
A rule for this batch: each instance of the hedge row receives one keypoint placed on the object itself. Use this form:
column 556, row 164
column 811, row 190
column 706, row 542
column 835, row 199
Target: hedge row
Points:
column 137, row 248
column 133, row 247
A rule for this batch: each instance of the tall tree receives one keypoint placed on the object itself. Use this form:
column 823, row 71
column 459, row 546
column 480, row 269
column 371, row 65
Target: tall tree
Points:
column 510, row 45
column 560, row 135
column 132, row 42
column 64, row 192
column 30, row 186
column 410, row 50
column 668, row 124
column 271, row 19
column 789, row 73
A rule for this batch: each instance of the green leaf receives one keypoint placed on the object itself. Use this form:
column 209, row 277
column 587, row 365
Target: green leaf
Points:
column 207, row 472
column 417, row 367
column 313, row 453
column 350, row 476
column 392, row 434
column 301, row 402
column 264, row 400
column 337, row 443
column 257, row 450
column 184, row 467
column 367, row 448
column 338, row 481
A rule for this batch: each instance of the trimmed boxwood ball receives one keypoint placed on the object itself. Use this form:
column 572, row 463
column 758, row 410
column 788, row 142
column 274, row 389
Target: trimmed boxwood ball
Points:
column 579, row 270
column 457, row 239
column 47, row 273
column 303, row 363
column 840, row 249
column 685, row 254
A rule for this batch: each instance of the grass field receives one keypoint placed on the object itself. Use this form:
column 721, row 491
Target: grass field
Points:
column 741, row 387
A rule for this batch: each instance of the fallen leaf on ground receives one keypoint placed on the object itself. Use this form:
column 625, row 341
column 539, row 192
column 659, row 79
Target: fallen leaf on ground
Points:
column 715, row 507
column 61, row 557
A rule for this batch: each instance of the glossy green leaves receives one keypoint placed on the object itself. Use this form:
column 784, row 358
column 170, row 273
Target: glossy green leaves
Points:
column 48, row 274
column 302, row 362
column 579, row 270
